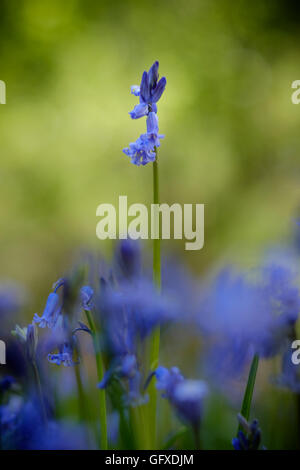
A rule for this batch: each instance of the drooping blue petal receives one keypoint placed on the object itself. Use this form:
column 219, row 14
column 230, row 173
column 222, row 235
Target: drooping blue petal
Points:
column 158, row 90
column 152, row 123
column 153, row 75
column 144, row 88
column 139, row 111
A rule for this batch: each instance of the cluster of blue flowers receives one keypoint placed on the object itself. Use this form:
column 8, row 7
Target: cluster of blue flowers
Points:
column 237, row 315
column 143, row 150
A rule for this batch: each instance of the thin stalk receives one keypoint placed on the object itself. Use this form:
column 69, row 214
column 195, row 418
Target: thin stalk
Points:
column 39, row 392
column 246, row 405
column 100, row 373
column 155, row 339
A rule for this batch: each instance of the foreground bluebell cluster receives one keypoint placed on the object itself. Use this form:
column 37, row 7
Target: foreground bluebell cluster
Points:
column 233, row 317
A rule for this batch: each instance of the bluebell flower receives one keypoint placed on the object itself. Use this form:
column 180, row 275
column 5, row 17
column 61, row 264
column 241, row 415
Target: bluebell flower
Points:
column 128, row 258
column 167, row 379
column 130, row 311
column 64, row 357
column 242, row 315
column 53, row 308
column 51, row 312
column 149, row 92
column 142, row 151
column 249, row 438
column 133, row 311
column 185, row 395
column 86, row 296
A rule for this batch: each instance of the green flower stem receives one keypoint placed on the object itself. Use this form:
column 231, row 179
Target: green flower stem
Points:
column 82, row 411
column 100, row 373
column 246, row 406
column 39, row 391
column 154, row 346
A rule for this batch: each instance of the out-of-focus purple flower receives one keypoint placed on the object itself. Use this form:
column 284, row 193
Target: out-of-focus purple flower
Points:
column 167, row 379
column 186, row 396
column 65, row 356
column 86, row 297
column 128, row 258
column 249, row 438
column 132, row 311
column 243, row 316
column 126, row 367
column 149, row 92
column 51, row 312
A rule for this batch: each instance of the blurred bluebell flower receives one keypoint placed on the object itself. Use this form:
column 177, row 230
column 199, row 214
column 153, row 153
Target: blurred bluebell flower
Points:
column 149, row 92
column 128, row 258
column 64, row 357
column 134, row 309
column 86, row 296
column 51, row 312
column 243, row 316
column 52, row 309
column 167, row 379
column 249, row 438
column 185, row 395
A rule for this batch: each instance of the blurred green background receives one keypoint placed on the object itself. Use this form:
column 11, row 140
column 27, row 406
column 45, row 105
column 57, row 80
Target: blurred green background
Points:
column 231, row 130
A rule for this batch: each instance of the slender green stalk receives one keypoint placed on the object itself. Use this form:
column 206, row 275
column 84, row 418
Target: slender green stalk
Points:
column 82, row 411
column 154, row 346
column 156, row 242
column 39, row 391
column 100, row 372
column 246, row 406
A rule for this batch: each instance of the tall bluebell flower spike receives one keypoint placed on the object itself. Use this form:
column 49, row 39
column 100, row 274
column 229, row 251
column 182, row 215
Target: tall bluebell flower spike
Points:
column 150, row 92
column 143, row 150
column 250, row 437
